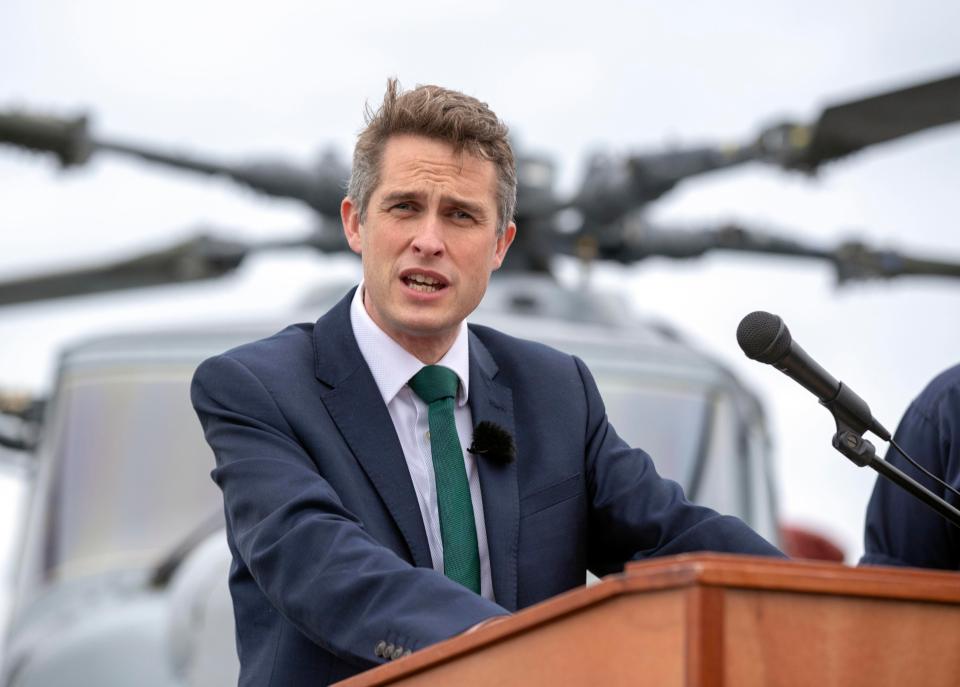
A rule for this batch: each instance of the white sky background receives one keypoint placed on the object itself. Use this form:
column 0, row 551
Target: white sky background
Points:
column 239, row 80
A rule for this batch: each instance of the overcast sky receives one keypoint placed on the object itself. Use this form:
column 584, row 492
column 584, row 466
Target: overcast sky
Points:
column 289, row 79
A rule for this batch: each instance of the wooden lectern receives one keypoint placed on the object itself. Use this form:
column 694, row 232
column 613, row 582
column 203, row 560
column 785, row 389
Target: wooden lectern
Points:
column 712, row 620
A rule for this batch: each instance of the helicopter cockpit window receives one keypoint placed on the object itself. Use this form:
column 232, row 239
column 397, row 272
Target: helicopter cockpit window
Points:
column 122, row 430
column 665, row 420
column 692, row 431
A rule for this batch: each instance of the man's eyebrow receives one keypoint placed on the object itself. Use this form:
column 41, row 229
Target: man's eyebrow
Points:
column 397, row 196
column 462, row 203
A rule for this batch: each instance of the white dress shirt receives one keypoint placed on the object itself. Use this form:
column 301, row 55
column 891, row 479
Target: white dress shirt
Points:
column 392, row 367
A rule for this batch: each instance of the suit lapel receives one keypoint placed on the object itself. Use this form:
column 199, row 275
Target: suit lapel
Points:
column 491, row 401
column 356, row 406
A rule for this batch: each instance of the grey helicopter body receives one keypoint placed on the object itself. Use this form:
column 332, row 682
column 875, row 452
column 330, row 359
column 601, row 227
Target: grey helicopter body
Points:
column 119, row 585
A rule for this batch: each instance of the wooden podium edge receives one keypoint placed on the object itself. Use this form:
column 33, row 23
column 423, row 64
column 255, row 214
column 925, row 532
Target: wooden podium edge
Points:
column 516, row 624
column 817, row 577
column 709, row 571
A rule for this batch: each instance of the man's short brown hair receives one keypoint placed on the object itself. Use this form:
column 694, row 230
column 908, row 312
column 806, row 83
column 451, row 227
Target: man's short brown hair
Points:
column 439, row 113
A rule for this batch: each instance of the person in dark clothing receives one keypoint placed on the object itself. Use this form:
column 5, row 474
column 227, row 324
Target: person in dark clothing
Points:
column 901, row 529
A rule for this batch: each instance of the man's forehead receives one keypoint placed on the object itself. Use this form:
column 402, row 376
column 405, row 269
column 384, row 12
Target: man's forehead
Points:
column 421, row 162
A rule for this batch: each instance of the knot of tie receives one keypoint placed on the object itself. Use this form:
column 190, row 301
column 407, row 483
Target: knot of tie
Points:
column 433, row 383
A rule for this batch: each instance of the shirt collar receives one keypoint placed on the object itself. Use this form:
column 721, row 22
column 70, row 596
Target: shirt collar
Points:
column 391, row 365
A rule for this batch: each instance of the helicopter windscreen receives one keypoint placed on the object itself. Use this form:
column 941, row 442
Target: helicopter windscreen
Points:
column 699, row 434
column 680, row 416
column 123, row 427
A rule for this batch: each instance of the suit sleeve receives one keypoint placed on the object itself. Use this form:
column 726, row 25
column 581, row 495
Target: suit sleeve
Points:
column 309, row 555
column 901, row 529
column 637, row 514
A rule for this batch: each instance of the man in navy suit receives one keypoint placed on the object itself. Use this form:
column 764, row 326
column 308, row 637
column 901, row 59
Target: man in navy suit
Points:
column 337, row 502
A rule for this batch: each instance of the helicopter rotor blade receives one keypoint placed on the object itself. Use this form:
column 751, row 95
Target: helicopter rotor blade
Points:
column 847, row 127
column 198, row 258
column 69, row 139
column 195, row 259
column 614, row 187
column 852, row 260
column 321, row 189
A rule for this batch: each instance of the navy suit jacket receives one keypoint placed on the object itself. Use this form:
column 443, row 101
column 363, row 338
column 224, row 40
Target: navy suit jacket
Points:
column 330, row 557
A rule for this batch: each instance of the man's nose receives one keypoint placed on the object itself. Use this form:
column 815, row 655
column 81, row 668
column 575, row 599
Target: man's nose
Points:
column 428, row 240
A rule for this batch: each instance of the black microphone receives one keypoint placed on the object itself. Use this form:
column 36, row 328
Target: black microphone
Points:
column 765, row 338
column 494, row 442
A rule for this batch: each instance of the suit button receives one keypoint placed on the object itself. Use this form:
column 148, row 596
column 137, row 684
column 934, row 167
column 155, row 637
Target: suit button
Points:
column 397, row 653
column 378, row 650
column 388, row 651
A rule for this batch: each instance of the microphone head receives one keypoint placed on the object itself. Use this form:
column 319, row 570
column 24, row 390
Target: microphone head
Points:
column 764, row 337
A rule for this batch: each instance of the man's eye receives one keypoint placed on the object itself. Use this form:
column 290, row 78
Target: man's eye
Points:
column 460, row 214
column 403, row 206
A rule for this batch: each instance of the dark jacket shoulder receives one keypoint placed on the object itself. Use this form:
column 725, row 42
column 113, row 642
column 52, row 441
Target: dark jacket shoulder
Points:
column 942, row 391
column 513, row 353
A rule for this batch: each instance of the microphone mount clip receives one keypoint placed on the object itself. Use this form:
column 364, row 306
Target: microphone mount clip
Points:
column 854, row 447
column 853, row 418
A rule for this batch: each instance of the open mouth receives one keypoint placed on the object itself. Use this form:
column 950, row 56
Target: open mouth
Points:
column 424, row 283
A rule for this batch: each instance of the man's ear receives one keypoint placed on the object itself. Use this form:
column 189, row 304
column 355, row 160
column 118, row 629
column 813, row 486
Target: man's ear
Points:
column 503, row 243
column 350, row 216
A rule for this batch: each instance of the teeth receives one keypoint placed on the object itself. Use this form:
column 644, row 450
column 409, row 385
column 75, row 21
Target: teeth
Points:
column 423, row 279
column 423, row 283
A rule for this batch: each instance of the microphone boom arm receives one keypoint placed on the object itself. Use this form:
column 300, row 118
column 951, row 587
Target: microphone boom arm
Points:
column 862, row 453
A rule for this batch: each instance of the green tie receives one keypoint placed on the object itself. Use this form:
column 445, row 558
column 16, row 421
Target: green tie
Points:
column 437, row 387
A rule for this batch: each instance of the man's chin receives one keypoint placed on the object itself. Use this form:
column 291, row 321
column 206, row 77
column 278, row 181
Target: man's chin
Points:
column 427, row 319
column 427, row 325
column 426, row 330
